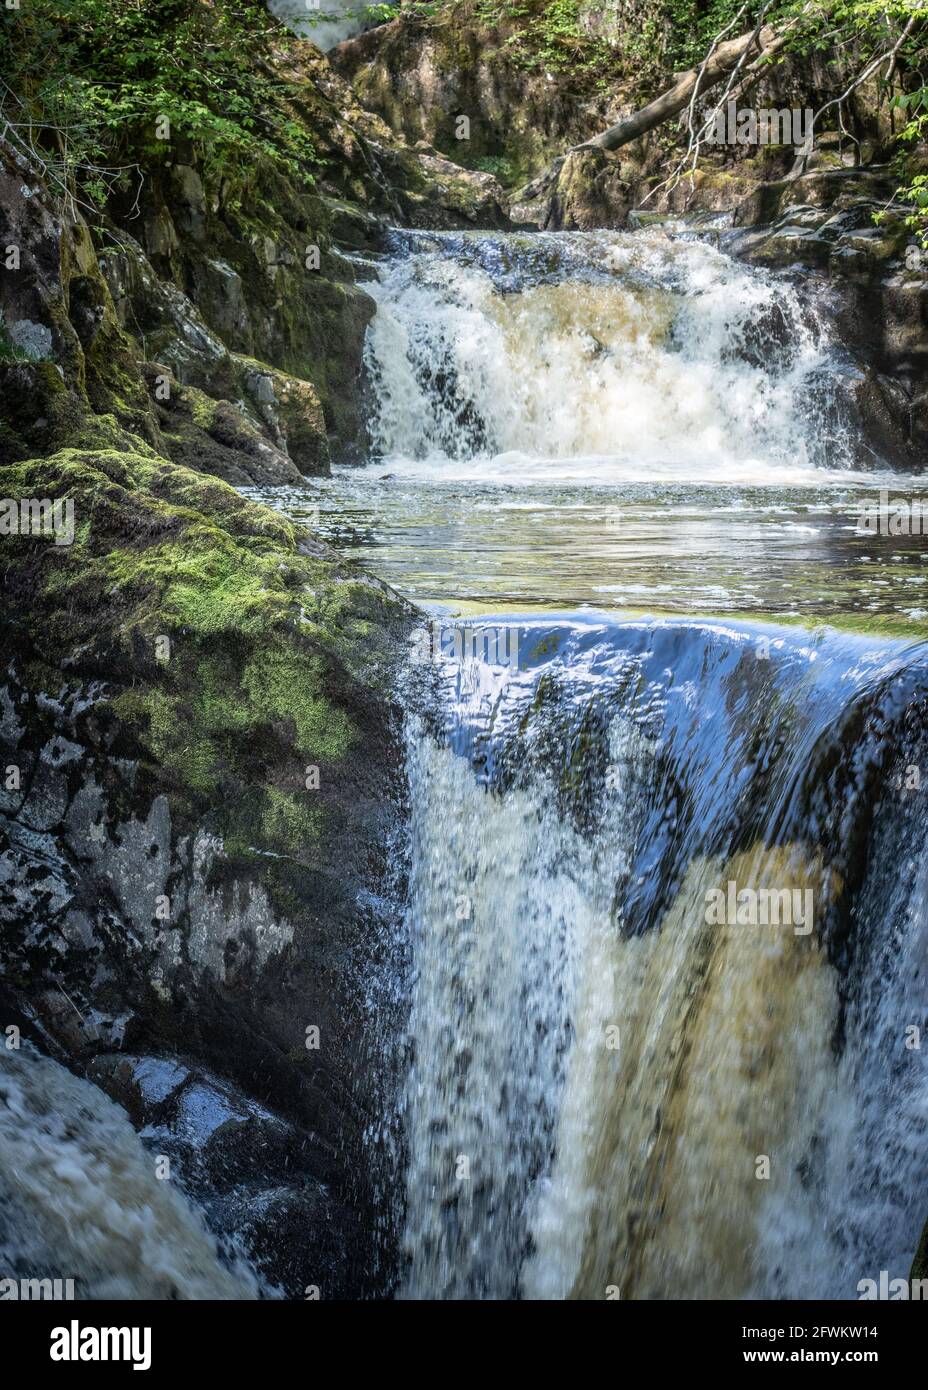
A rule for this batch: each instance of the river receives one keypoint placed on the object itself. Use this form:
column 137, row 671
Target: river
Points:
column 667, row 911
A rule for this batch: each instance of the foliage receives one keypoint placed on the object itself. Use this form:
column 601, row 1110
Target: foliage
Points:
column 546, row 35
column 90, row 84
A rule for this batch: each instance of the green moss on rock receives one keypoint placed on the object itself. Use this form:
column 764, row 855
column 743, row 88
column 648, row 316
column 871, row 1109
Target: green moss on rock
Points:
column 232, row 645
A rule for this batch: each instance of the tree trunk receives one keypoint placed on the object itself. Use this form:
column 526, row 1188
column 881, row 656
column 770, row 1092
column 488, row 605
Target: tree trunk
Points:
column 725, row 58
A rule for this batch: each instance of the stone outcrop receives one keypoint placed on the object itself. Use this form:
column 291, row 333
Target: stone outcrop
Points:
column 201, row 795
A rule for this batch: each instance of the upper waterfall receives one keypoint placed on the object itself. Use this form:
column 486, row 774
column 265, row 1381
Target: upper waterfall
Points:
column 609, row 355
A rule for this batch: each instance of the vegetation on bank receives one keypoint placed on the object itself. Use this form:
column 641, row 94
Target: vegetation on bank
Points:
column 639, row 47
column 94, row 89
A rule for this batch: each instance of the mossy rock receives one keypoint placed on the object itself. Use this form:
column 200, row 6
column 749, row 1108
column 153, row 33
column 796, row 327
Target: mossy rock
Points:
column 199, row 695
column 268, row 633
column 215, row 436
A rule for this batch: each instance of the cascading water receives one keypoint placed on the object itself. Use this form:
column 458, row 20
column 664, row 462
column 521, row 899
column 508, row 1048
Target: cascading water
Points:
column 609, row 1090
column 567, row 355
column 612, row 1094
column 325, row 25
column 599, row 1071
column 612, row 420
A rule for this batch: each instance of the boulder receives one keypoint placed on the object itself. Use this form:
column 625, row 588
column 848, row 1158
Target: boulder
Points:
column 174, row 887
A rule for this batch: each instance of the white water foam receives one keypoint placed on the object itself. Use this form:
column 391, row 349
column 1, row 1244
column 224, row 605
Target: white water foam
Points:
column 625, row 357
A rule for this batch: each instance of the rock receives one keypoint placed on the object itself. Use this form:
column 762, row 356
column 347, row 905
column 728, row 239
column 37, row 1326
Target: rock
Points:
column 215, row 436
column 143, row 1086
column 292, row 412
column 284, row 436
column 891, row 424
column 903, row 321
column 221, row 1137
column 57, row 315
column 920, row 1262
column 250, row 1171
column 272, row 1225
column 162, row 318
column 476, row 196
column 420, row 77
column 188, row 201
column 171, row 890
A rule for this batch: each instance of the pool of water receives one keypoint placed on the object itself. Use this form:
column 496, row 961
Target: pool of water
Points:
column 472, row 541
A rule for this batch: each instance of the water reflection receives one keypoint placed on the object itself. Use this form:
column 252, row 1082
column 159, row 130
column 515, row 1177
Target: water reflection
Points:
column 784, row 552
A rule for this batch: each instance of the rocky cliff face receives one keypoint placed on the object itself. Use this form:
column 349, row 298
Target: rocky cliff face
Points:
column 201, row 814
column 423, row 73
column 202, row 811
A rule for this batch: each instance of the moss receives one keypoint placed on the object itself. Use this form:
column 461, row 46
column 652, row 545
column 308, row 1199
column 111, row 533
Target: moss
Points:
column 199, row 584
column 105, row 432
column 245, row 693
column 202, row 409
column 291, row 820
column 290, row 686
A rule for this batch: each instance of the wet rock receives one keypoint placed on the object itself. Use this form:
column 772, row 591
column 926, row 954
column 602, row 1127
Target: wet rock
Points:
column 144, row 1086
column 891, row 422
column 249, row 1169
column 223, row 1138
column 903, row 320
column 272, row 1225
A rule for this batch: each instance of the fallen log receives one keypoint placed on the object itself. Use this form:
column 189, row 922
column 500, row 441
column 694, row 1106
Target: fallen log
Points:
column 758, row 45
column 722, row 62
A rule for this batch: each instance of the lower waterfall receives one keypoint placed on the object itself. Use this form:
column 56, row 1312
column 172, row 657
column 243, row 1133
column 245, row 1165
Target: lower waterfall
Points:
column 583, row 440
column 612, row 1096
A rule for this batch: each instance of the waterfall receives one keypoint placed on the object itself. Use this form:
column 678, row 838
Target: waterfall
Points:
column 613, row 1092
column 324, row 23
column 615, row 356
column 599, row 1073
column 658, row 1003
